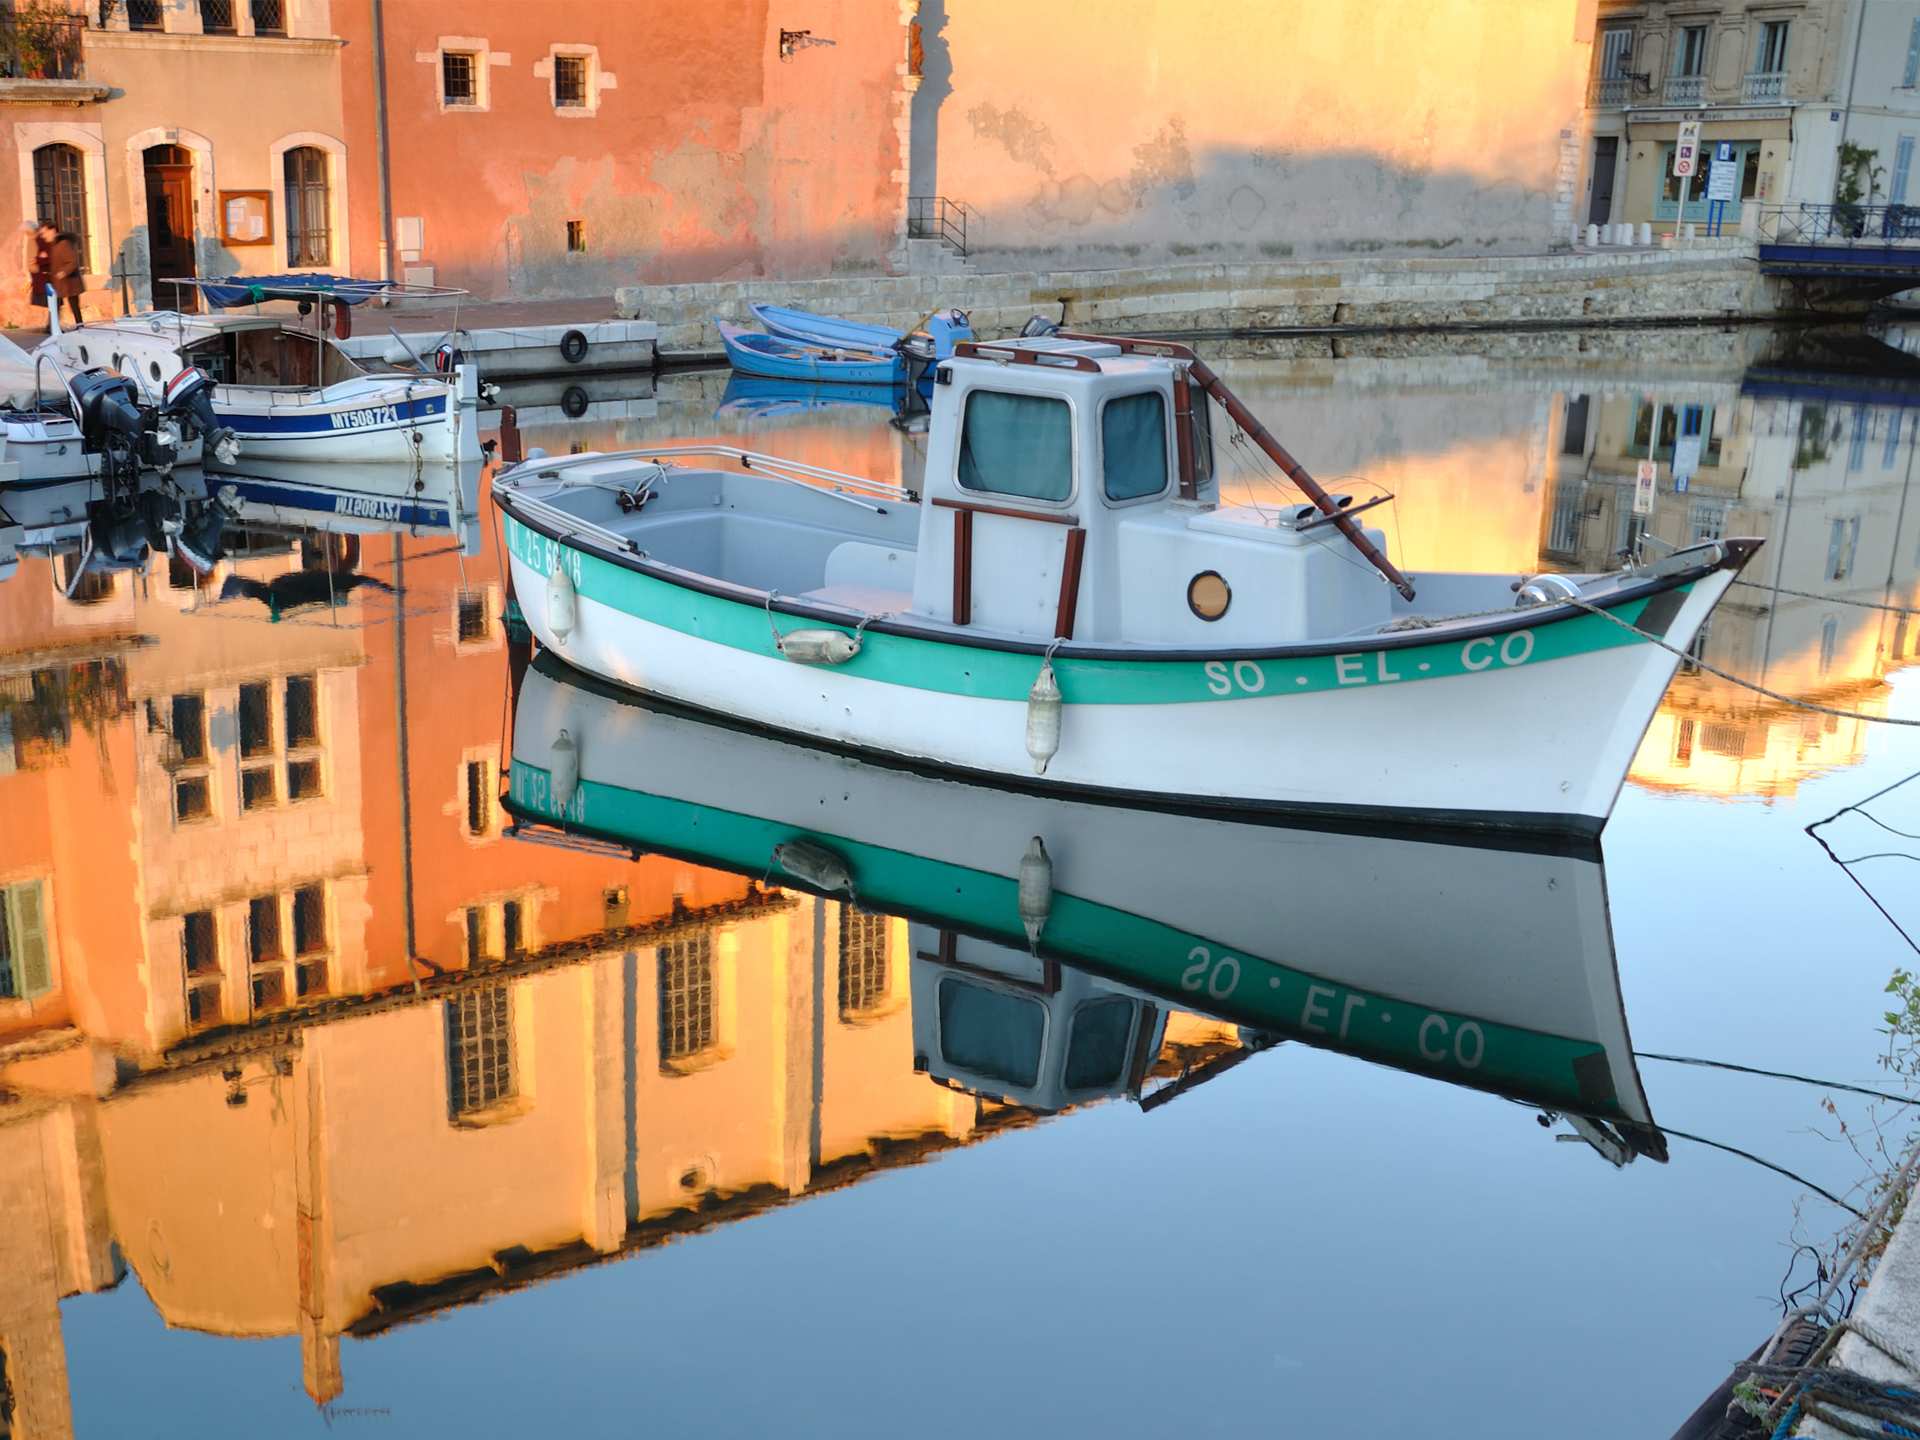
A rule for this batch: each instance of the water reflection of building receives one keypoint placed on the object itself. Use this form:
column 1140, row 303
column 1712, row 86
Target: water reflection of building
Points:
column 1825, row 475
column 292, row 1028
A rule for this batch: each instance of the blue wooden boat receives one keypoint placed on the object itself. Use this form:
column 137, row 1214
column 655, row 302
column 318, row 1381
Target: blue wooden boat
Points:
column 762, row 398
column 754, row 354
column 945, row 326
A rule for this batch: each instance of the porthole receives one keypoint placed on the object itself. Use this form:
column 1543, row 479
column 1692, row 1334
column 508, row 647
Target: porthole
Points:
column 83, row 356
column 153, row 368
column 116, row 362
column 1208, row 595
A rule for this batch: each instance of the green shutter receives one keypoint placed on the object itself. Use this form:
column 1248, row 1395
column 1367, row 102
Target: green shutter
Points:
column 27, row 924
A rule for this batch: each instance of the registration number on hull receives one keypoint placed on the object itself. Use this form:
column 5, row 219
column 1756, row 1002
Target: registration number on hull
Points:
column 368, row 419
column 367, row 507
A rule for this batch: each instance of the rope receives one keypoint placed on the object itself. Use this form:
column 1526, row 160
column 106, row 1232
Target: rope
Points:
column 1778, row 1075
column 1767, row 1165
column 1830, row 599
column 1735, row 679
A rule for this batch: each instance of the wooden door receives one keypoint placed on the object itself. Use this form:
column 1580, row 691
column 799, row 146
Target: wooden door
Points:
column 169, row 171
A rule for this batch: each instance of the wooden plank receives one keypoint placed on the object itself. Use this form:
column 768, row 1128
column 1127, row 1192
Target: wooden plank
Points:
column 1069, row 584
column 962, row 566
column 972, row 508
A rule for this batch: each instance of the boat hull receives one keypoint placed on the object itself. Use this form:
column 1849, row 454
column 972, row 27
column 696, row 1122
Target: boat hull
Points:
column 775, row 359
column 358, row 422
column 1499, row 962
column 1529, row 730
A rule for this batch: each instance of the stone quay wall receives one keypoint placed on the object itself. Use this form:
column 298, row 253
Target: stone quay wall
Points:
column 1706, row 281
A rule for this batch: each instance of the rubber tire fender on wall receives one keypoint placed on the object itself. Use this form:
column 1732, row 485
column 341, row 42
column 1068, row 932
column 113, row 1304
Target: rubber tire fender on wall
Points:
column 573, row 403
column 573, row 347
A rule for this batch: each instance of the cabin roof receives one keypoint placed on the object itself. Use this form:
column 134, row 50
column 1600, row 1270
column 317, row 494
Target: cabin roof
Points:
column 181, row 329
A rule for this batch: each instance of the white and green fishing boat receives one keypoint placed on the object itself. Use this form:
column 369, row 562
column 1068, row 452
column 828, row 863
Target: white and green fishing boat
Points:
column 1065, row 603
column 1481, row 961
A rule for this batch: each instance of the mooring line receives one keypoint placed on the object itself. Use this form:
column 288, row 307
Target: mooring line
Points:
column 1777, row 1075
column 1830, row 599
column 1735, row 679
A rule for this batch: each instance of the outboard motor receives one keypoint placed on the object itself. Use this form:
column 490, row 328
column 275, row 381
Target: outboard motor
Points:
column 189, row 409
column 118, row 428
column 198, row 540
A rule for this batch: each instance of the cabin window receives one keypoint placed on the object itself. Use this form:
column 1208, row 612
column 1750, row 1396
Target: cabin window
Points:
column 1097, row 1046
column 990, row 1032
column 1017, row 445
column 1133, row 446
column 309, row 207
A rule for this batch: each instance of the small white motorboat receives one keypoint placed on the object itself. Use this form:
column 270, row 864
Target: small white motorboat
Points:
column 281, row 383
column 1067, row 606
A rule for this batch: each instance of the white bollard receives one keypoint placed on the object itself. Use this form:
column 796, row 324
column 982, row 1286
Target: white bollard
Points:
column 1593, row 236
column 1606, row 234
column 1687, row 232
column 1646, row 232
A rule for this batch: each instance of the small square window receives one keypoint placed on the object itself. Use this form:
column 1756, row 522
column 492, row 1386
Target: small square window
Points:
column 460, row 77
column 263, row 929
column 200, row 943
column 256, row 788
column 203, row 1005
column 577, row 236
column 256, row 720
column 473, row 620
column 303, row 712
column 510, row 939
column 309, row 920
column 569, row 82
column 303, row 779
column 190, row 727
column 310, row 978
column 270, row 990
column 192, row 798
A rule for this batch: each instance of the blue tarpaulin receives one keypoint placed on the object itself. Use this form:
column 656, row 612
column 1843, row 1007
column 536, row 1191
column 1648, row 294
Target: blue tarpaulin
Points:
column 251, row 289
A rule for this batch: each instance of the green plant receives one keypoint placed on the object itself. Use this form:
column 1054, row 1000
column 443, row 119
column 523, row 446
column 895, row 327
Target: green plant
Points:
column 1858, row 177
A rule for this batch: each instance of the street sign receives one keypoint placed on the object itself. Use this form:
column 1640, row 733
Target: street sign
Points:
column 1722, row 179
column 1723, row 152
column 1686, row 153
column 1643, row 488
column 1686, row 460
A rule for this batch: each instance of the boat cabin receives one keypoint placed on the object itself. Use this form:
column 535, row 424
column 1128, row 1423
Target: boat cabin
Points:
column 1061, row 501
column 272, row 352
column 997, row 1021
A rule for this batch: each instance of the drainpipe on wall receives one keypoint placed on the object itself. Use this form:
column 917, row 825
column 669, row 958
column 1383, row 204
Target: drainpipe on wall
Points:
column 380, row 131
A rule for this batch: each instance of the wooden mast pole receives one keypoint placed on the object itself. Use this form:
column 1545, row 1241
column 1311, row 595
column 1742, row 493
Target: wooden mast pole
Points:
column 1261, row 436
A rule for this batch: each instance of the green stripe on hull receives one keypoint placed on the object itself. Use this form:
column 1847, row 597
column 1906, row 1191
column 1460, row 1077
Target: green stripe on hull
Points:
column 1000, row 675
column 1131, row 948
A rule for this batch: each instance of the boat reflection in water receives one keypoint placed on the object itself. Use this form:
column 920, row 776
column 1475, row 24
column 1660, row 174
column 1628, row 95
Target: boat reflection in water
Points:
column 1482, row 966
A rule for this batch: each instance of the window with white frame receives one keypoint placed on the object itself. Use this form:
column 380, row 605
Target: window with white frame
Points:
column 574, row 79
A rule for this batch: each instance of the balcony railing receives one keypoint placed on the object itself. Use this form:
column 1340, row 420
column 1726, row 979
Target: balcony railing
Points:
column 1841, row 225
column 1763, row 88
column 1610, row 92
column 40, row 42
column 1686, row 89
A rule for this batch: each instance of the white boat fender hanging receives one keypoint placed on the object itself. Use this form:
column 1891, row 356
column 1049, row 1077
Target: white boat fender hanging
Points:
column 561, row 602
column 1043, row 717
column 814, row 864
column 818, row 647
column 563, row 771
column 1036, row 891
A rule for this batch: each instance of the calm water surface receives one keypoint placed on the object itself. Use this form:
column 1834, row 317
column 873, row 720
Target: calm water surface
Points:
column 675, row 1142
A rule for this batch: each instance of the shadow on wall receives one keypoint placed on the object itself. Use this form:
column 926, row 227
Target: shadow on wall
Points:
column 936, row 84
column 1174, row 206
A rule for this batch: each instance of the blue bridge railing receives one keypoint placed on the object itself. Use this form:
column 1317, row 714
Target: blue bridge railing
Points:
column 1841, row 225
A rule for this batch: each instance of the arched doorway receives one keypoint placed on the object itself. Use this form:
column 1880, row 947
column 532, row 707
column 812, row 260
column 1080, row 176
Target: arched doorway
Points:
column 169, row 171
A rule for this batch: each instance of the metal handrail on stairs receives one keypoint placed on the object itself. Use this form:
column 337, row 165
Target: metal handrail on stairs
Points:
column 935, row 217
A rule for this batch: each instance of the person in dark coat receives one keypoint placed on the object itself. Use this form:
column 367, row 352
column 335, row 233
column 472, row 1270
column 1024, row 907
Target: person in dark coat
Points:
column 40, row 272
column 68, row 281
